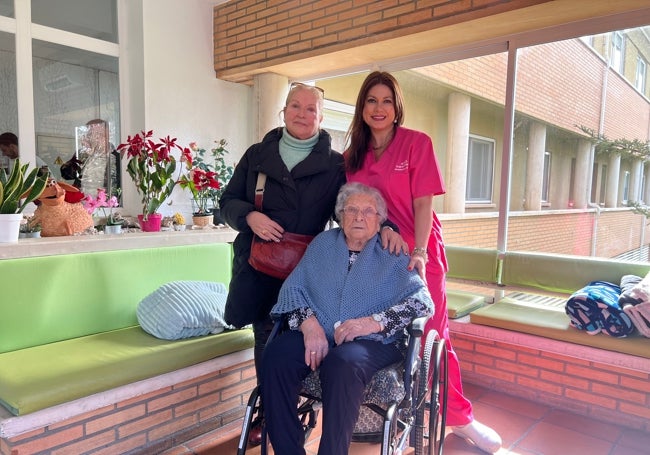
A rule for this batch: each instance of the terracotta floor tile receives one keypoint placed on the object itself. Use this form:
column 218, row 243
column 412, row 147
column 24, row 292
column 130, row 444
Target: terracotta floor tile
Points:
column 545, row 438
column 527, row 428
column 601, row 430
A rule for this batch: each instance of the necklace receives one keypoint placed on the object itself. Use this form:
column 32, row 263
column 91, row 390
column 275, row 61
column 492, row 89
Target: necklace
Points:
column 385, row 143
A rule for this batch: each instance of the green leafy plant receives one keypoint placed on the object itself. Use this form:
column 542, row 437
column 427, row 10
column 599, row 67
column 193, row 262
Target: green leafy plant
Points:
column 19, row 188
column 213, row 162
column 28, row 226
column 151, row 165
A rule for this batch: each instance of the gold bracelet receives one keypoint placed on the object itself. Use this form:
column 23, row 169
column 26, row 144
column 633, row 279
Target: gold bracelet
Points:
column 417, row 251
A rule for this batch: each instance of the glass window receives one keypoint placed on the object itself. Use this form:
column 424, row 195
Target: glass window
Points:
column 7, row 8
column 93, row 18
column 73, row 88
column 626, row 187
column 641, row 69
column 546, row 177
column 617, row 51
column 8, row 94
column 480, row 165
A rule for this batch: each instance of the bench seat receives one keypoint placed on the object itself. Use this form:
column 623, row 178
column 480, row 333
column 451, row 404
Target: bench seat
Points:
column 42, row 376
column 460, row 303
column 546, row 317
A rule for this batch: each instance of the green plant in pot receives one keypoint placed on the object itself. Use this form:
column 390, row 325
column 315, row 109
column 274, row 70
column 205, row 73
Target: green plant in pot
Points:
column 151, row 166
column 214, row 163
column 17, row 189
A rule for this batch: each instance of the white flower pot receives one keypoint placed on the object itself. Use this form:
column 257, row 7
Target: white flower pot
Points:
column 10, row 227
column 112, row 229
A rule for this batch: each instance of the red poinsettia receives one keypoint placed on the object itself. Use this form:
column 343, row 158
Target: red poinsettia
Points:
column 198, row 180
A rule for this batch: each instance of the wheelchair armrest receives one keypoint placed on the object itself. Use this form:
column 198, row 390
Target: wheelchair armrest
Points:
column 416, row 327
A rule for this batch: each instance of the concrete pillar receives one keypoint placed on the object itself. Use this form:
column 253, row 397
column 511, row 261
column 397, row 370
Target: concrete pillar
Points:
column 613, row 177
column 457, row 148
column 535, row 166
column 635, row 181
column 269, row 94
column 646, row 189
column 560, row 181
column 581, row 190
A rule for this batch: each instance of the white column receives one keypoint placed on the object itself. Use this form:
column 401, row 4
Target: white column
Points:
column 581, row 190
column 613, row 177
column 457, row 148
column 535, row 166
column 269, row 94
column 635, row 181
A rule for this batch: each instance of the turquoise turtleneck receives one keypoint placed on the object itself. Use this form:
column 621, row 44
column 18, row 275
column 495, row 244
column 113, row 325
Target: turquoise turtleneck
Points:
column 293, row 151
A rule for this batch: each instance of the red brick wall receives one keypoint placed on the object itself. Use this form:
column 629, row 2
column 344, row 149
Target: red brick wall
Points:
column 585, row 387
column 570, row 232
column 249, row 32
column 148, row 424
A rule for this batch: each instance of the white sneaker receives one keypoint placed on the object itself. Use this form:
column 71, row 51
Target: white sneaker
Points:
column 483, row 437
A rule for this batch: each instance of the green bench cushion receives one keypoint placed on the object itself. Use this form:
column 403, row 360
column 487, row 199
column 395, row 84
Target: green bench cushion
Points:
column 473, row 264
column 563, row 273
column 43, row 376
column 549, row 320
column 54, row 298
column 460, row 303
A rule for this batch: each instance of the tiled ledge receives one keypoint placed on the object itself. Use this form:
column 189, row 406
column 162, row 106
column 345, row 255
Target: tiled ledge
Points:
column 49, row 246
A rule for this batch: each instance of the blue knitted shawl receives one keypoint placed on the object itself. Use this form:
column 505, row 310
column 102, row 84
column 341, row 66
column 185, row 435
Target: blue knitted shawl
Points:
column 376, row 281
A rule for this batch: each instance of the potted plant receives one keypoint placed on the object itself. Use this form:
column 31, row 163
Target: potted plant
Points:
column 151, row 165
column 201, row 181
column 214, row 162
column 17, row 189
column 29, row 229
column 112, row 221
column 179, row 222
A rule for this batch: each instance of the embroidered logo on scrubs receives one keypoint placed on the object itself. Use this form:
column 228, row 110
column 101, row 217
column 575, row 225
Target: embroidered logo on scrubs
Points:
column 403, row 166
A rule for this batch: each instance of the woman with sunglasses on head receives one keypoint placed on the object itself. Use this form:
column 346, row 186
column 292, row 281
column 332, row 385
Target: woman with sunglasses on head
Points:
column 401, row 164
column 304, row 176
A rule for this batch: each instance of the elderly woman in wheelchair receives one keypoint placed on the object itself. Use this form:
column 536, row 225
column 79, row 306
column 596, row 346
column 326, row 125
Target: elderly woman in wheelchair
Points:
column 347, row 306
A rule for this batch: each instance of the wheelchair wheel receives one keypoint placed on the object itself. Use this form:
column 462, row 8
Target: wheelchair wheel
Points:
column 252, row 415
column 308, row 409
column 428, row 412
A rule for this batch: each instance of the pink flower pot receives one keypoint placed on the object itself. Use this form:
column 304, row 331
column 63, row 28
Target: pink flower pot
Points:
column 151, row 224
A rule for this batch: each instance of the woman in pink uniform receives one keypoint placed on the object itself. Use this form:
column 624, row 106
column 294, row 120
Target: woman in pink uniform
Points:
column 401, row 164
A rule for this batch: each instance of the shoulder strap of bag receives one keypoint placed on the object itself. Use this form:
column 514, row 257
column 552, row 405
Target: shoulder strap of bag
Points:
column 259, row 190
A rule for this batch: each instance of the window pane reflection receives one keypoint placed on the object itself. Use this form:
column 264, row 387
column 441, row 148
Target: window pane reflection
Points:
column 9, row 104
column 94, row 18
column 7, row 8
column 73, row 87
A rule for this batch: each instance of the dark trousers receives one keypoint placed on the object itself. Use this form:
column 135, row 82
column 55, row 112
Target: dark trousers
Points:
column 344, row 374
column 261, row 331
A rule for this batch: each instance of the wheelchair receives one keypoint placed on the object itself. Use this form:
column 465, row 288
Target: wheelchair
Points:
column 403, row 404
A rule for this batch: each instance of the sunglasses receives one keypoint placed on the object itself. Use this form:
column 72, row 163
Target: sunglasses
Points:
column 300, row 84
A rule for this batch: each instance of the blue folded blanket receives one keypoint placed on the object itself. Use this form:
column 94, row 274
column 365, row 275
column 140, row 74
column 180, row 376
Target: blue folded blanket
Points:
column 595, row 309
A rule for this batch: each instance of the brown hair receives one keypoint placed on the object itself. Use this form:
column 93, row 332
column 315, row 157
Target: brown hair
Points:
column 359, row 133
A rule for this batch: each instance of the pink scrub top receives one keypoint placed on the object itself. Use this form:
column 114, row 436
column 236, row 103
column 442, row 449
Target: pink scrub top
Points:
column 407, row 169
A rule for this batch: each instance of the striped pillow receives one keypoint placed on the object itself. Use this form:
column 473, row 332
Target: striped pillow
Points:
column 184, row 309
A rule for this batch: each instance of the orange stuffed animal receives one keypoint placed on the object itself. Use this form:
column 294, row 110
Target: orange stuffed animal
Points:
column 58, row 217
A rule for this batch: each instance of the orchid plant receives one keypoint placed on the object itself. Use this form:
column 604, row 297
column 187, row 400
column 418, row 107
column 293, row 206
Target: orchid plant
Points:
column 103, row 202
